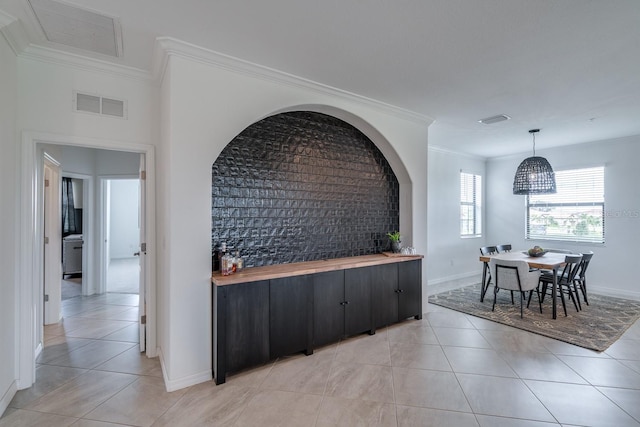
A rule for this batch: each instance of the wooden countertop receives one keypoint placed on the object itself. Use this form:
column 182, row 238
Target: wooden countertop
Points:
column 253, row 274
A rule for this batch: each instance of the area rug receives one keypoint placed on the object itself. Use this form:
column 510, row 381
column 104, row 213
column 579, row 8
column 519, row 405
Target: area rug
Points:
column 596, row 327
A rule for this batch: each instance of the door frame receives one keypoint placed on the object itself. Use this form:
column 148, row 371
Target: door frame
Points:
column 87, row 224
column 103, row 211
column 51, row 243
column 30, row 332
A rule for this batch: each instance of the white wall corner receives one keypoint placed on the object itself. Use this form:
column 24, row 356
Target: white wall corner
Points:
column 7, row 396
column 180, row 383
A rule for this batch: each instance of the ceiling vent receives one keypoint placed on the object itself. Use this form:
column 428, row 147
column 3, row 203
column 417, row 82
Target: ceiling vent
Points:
column 99, row 105
column 494, row 119
column 71, row 26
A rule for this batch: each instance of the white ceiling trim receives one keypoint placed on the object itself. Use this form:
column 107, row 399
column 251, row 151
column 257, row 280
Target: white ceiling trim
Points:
column 13, row 32
column 54, row 56
column 166, row 47
column 6, row 19
column 438, row 149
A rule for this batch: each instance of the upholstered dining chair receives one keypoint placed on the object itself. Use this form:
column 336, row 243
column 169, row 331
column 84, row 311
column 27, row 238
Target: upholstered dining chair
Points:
column 565, row 280
column 486, row 250
column 514, row 275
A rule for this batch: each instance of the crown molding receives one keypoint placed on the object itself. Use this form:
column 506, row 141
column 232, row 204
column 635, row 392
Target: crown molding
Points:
column 438, row 149
column 18, row 39
column 166, row 47
column 6, row 19
column 13, row 32
column 57, row 57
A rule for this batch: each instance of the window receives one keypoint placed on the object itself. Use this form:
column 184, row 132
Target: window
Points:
column 470, row 205
column 575, row 213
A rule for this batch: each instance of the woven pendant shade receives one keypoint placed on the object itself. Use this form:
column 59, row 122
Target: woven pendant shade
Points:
column 534, row 175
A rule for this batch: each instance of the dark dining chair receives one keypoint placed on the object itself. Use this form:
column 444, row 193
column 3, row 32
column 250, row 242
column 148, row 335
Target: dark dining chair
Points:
column 580, row 280
column 504, row 248
column 565, row 280
column 486, row 250
column 515, row 276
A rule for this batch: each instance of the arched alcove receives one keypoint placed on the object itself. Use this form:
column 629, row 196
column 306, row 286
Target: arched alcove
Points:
column 303, row 185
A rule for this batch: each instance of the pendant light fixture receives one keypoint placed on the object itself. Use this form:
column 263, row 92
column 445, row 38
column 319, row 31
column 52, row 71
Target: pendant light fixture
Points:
column 534, row 175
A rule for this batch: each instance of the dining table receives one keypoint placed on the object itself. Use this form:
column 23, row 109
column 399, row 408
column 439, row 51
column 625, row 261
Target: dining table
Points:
column 549, row 261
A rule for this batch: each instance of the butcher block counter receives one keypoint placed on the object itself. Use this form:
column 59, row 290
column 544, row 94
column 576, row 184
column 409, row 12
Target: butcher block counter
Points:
column 276, row 310
column 253, row 274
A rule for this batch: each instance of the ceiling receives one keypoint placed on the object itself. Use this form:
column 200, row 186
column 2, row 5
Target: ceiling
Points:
column 568, row 67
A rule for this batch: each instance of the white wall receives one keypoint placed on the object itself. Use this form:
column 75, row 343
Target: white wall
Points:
column 124, row 233
column 8, row 220
column 452, row 261
column 204, row 107
column 45, row 115
column 612, row 270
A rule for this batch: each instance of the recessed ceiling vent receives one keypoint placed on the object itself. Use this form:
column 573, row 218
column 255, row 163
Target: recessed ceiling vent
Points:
column 99, row 105
column 494, row 119
column 80, row 28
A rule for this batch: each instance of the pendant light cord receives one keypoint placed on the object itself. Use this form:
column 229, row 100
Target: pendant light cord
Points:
column 533, row 133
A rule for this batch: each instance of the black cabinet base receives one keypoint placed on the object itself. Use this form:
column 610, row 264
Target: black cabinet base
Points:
column 256, row 322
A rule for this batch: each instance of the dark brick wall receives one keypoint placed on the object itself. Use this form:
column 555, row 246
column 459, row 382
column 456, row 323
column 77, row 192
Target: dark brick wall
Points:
column 302, row 186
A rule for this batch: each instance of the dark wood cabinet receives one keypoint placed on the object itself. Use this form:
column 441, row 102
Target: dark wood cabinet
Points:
column 357, row 297
column 241, row 327
column 397, row 292
column 410, row 290
column 328, row 307
column 259, row 320
column 290, row 315
column 384, row 286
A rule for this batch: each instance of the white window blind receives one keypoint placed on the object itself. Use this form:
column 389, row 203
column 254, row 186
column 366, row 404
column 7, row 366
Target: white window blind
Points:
column 575, row 213
column 470, row 205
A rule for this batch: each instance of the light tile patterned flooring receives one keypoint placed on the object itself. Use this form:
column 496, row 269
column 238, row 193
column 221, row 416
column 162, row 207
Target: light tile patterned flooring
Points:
column 449, row 370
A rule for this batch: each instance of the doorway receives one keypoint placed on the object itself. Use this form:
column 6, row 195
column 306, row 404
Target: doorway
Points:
column 31, row 266
column 122, row 231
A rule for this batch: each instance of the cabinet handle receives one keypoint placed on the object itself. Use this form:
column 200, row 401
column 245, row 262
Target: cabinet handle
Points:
column 346, row 302
column 400, row 291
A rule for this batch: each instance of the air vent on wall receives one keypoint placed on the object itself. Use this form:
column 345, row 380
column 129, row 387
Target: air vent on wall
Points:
column 99, row 105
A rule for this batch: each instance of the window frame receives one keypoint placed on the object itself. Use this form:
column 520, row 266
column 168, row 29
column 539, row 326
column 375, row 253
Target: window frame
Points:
column 580, row 201
column 473, row 206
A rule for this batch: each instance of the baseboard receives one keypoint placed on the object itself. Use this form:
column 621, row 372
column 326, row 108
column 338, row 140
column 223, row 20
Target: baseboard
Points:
column 448, row 283
column 173, row 385
column 7, row 397
column 617, row 293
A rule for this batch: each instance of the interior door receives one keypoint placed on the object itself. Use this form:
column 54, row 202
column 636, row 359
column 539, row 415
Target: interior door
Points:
column 142, row 304
column 52, row 248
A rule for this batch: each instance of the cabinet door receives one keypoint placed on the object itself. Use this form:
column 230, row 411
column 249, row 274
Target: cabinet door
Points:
column 328, row 307
column 290, row 315
column 410, row 287
column 384, row 286
column 247, row 324
column 357, row 293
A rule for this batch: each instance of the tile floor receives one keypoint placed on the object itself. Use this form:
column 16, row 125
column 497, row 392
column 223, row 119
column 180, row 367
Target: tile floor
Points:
column 448, row 369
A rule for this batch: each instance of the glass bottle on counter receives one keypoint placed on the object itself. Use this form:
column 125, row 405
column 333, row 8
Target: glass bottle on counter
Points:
column 221, row 253
column 234, row 263
column 226, row 264
column 239, row 262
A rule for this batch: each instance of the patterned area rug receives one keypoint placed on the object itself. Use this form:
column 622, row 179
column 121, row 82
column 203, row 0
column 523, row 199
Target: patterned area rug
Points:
column 596, row 327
